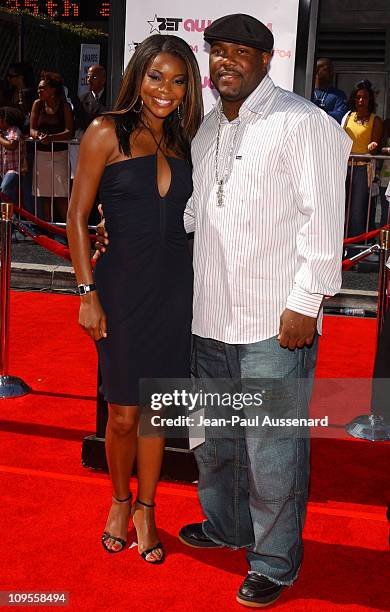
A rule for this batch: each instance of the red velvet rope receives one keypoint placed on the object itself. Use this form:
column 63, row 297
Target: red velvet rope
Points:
column 365, row 236
column 54, row 247
column 43, row 224
column 62, row 232
column 57, row 249
column 51, row 245
column 62, row 251
column 347, row 264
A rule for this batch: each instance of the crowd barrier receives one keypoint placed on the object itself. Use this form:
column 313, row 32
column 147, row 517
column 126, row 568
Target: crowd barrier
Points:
column 31, row 173
column 365, row 200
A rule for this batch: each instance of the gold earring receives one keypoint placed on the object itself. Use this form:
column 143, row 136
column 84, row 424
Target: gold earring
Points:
column 140, row 108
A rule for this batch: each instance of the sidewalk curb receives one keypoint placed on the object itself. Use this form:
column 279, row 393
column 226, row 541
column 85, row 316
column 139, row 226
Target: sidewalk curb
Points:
column 42, row 276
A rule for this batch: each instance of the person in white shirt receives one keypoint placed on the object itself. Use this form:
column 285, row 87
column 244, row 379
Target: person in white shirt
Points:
column 267, row 210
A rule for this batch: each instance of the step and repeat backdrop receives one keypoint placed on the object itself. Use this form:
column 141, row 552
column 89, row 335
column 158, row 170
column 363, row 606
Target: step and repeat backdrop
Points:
column 189, row 20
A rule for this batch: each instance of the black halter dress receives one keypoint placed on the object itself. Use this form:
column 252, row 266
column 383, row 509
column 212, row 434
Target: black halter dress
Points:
column 144, row 280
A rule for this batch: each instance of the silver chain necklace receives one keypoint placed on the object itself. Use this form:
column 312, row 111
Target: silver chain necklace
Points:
column 221, row 180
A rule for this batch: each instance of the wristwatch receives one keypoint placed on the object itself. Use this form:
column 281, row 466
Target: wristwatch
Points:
column 84, row 289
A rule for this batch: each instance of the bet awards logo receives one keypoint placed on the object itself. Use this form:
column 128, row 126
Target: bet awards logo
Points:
column 172, row 24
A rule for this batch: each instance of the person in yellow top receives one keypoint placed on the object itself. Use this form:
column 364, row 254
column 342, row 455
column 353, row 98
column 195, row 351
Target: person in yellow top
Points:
column 365, row 130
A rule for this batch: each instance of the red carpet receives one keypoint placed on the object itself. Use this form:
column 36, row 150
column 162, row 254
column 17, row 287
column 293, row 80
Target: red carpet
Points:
column 54, row 510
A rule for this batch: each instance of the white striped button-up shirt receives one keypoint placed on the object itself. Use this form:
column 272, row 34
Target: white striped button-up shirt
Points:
column 277, row 240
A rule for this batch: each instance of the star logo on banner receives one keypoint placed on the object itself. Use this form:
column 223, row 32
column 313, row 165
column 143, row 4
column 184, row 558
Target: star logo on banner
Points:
column 154, row 23
column 132, row 46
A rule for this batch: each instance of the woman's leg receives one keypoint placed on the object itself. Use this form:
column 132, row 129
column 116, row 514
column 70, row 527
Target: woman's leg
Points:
column 46, row 208
column 121, row 448
column 61, row 208
column 149, row 459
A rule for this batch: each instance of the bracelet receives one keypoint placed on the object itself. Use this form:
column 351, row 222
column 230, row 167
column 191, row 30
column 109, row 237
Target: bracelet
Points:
column 84, row 289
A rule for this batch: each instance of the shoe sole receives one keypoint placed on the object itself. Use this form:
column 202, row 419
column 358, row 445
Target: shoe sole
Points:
column 188, row 543
column 254, row 604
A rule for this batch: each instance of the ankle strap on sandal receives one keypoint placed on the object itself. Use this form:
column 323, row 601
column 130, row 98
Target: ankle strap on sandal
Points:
column 144, row 504
column 122, row 501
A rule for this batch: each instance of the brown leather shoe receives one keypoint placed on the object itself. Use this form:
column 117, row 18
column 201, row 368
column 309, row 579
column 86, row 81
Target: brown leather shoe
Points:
column 258, row 591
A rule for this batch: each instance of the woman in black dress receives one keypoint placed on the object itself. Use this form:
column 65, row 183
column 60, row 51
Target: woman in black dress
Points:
column 139, row 311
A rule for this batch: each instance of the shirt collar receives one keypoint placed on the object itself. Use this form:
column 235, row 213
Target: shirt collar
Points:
column 258, row 99
column 255, row 102
column 98, row 94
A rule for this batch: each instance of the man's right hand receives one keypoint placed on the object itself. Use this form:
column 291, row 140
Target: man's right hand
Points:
column 101, row 236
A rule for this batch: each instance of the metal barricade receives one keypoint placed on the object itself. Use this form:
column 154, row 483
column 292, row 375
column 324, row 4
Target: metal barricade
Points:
column 55, row 160
column 28, row 180
column 362, row 192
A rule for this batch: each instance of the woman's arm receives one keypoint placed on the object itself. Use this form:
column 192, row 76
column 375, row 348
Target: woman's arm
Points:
column 34, row 132
column 97, row 146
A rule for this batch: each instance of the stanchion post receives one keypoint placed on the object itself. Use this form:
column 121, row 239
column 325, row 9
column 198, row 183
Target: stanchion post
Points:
column 10, row 386
column 6, row 216
column 384, row 243
column 373, row 426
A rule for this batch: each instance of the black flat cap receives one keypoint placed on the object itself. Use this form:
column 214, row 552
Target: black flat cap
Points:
column 241, row 29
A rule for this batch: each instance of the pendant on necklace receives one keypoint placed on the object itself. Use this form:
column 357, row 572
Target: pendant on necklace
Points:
column 220, row 194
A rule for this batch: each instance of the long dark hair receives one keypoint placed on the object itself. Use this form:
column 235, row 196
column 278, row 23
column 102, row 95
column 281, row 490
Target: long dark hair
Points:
column 178, row 132
column 367, row 85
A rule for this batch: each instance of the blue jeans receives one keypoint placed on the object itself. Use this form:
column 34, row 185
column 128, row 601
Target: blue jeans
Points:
column 253, row 487
column 10, row 186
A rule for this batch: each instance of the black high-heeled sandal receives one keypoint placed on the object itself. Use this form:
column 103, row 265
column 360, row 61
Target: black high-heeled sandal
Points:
column 107, row 536
column 157, row 546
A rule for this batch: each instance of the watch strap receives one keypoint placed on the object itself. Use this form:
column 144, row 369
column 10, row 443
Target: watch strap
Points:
column 84, row 289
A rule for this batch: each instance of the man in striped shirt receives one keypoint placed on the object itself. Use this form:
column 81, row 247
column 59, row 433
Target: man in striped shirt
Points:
column 267, row 210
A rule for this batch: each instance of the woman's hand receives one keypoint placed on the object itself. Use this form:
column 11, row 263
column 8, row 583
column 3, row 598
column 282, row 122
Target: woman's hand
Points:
column 372, row 146
column 101, row 235
column 44, row 138
column 91, row 316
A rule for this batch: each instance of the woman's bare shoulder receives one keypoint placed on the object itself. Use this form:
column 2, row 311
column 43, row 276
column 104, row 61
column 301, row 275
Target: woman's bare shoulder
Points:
column 103, row 127
column 101, row 135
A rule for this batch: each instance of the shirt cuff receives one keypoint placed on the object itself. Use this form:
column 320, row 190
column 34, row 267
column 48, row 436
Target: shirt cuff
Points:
column 303, row 302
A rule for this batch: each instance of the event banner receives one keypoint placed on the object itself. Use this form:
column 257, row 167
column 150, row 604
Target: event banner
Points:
column 188, row 20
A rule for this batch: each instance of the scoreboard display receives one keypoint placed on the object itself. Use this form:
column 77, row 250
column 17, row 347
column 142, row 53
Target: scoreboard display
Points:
column 63, row 10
